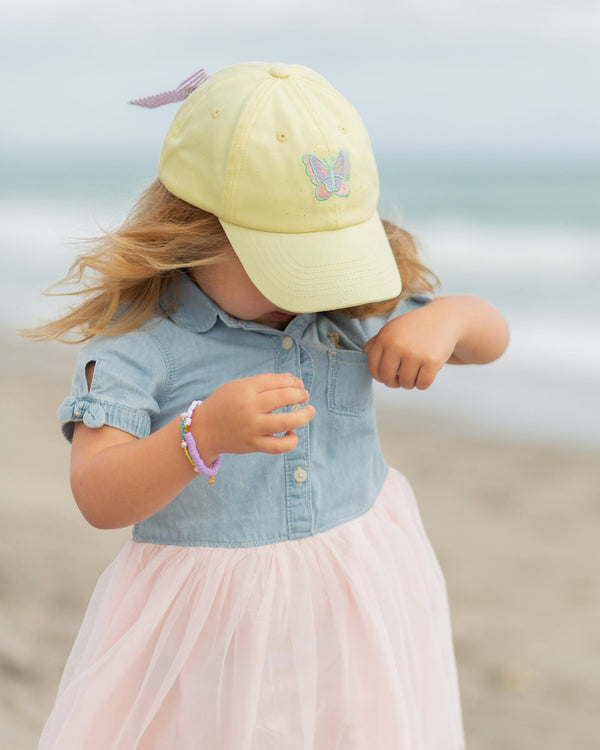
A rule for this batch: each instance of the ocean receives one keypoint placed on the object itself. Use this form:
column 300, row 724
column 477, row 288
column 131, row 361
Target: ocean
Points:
column 524, row 235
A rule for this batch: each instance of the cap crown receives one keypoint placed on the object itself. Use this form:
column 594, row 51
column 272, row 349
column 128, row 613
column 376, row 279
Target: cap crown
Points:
column 271, row 147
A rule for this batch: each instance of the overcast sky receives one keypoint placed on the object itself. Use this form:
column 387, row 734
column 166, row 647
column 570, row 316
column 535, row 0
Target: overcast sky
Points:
column 428, row 76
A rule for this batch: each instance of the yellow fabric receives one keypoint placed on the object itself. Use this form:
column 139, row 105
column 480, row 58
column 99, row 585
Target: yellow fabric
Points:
column 236, row 149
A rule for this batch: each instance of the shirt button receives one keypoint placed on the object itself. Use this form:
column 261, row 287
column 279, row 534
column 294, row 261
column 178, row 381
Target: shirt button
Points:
column 287, row 342
column 300, row 475
column 296, row 407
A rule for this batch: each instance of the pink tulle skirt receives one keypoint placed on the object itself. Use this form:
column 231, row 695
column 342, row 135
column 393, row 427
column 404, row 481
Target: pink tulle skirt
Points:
column 338, row 641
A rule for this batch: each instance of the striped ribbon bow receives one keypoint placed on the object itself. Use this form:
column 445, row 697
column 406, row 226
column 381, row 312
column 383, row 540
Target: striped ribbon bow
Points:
column 176, row 95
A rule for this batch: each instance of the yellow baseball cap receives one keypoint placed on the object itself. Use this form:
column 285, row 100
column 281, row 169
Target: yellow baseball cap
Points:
column 285, row 163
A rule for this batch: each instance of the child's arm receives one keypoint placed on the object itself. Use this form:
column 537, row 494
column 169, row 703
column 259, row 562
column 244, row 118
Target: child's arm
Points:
column 411, row 349
column 118, row 479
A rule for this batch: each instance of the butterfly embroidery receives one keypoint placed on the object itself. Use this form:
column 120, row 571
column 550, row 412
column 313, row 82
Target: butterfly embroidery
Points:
column 329, row 178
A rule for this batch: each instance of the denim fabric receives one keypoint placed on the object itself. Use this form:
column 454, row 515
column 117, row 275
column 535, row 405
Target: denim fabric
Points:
column 143, row 379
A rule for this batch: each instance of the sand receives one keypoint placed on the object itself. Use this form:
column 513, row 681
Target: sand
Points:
column 514, row 525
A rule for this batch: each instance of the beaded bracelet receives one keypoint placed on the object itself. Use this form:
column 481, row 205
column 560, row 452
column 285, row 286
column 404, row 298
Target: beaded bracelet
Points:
column 191, row 451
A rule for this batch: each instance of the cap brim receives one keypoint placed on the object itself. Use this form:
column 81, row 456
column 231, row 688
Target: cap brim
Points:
column 319, row 271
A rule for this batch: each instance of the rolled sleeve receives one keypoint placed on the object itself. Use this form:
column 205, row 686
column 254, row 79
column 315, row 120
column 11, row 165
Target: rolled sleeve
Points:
column 130, row 376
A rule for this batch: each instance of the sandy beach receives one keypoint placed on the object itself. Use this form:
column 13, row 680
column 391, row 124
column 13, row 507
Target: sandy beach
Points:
column 514, row 525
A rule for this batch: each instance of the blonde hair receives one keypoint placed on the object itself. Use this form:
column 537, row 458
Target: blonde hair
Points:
column 122, row 281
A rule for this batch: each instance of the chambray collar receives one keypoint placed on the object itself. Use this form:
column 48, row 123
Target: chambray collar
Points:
column 197, row 312
column 194, row 310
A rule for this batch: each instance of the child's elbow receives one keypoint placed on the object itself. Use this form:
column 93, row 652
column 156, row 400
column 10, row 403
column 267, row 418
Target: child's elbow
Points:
column 493, row 336
column 91, row 507
column 501, row 340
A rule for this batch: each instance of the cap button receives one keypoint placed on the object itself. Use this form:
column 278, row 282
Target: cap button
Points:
column 280, row 71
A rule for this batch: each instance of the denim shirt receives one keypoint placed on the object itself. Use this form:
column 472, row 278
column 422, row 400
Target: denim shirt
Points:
column 145, row 378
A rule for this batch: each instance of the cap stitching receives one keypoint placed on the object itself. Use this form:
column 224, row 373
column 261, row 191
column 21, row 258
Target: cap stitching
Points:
column 239, row 142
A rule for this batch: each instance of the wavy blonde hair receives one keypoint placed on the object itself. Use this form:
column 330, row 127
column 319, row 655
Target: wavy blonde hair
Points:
column 122, row 280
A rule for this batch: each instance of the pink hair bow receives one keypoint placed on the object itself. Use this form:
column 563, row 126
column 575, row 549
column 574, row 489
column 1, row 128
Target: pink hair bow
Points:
column 176, row 95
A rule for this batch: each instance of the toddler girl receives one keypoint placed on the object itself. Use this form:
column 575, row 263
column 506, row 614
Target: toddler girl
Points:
column 279, row 592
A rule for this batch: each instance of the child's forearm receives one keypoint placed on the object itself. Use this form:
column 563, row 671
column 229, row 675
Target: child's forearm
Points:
column 118, row 480
column 482, row 331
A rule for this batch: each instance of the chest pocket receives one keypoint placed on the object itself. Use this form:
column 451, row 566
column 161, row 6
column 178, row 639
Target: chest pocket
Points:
column 349, row 383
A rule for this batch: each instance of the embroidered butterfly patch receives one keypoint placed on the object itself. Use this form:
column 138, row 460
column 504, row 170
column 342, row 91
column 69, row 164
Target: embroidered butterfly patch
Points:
column 329, row 178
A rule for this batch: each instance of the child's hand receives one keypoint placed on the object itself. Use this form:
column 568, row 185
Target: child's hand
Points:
column 409, row 351
column 238, row 418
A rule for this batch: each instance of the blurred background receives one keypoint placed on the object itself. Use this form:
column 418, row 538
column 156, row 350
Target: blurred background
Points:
column 484, row 118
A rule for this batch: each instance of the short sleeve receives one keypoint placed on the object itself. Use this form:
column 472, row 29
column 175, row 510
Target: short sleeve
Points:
column 365, row 328
column 130, row 376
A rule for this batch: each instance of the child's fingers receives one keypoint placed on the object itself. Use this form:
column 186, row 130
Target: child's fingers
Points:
column 407, row 374
column 389, row 364
column 427, row 374
column 374, row 360
column 272, row 424
column 273, row 399
column 397, row 369
column 383, row 366
column 277, row 445
column 418, row 372
column 275, row 380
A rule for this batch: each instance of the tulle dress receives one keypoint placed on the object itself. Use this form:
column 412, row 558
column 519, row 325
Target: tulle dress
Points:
column 337, row 641
column 296, row 604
